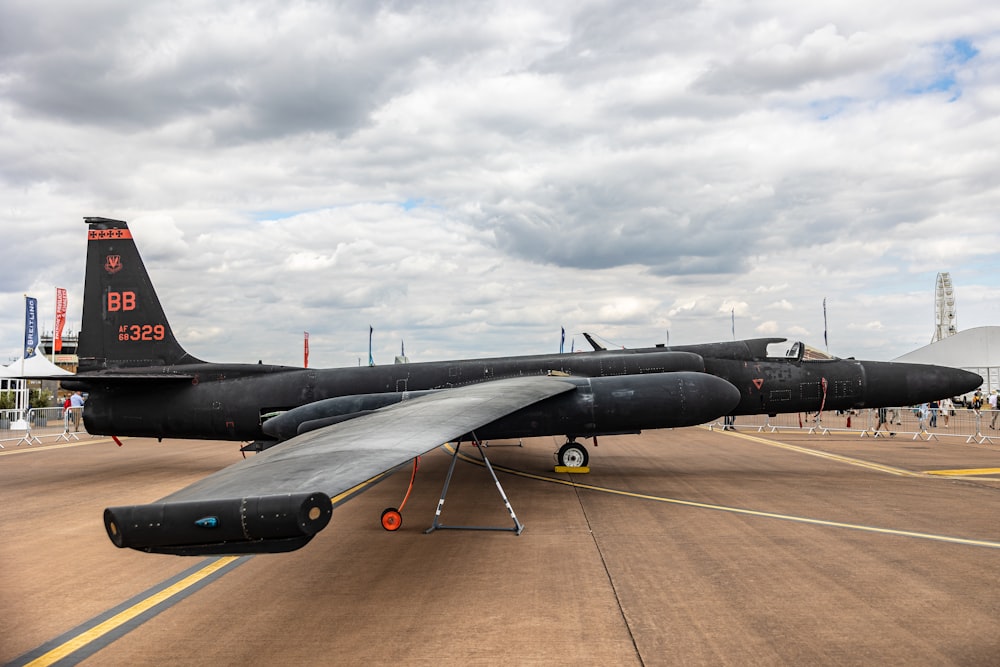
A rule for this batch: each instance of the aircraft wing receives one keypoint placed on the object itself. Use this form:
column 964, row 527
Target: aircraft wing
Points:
column 278, row 499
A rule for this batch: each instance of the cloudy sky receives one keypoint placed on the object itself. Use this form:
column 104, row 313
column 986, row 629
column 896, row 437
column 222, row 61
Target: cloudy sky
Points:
column 468, row 177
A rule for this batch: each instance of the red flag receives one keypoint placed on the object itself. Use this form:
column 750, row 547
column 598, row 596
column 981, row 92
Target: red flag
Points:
column 305, row 349
column 60, row 319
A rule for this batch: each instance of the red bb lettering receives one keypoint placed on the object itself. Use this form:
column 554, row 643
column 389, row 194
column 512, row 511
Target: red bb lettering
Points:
column 121, row 301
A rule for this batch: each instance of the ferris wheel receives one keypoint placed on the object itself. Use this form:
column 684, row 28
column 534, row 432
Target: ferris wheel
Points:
column 944, row 308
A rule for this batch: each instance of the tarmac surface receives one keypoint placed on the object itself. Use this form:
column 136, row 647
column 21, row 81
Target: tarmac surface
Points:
column 689, row 546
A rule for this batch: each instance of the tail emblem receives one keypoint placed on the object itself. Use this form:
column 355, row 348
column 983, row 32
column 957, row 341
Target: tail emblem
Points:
column 113, row 264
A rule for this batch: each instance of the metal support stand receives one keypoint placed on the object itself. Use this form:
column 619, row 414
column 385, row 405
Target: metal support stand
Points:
column 66, row 434
column 868, row 426
column 922, row 432
column 436, row 525
column 27, row 437
column 979, row 438
column 818, row 426
column 768, row 426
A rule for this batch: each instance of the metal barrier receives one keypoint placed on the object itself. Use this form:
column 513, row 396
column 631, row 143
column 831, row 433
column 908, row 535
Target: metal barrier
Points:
column 37, row 423
column 64, row 425
column 960, row 423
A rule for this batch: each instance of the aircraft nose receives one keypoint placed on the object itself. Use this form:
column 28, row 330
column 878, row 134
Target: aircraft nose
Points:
column 891, row 384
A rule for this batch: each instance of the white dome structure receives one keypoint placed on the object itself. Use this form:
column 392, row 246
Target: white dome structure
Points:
column 976, row 350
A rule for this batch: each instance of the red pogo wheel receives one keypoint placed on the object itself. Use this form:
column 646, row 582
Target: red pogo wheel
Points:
column 392, row 519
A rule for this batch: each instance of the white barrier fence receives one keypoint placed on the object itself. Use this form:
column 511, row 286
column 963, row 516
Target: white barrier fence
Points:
column 28, row 428
column 980, row 427
column 974, row 426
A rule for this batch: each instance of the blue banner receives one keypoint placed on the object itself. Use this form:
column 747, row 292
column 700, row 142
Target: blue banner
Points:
column 371, row 359
column 30, row 326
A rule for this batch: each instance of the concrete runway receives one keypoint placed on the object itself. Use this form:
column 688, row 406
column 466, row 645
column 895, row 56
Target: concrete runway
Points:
column 687, row 546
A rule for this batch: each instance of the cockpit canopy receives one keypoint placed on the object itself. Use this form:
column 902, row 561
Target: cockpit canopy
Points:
column 786, row 350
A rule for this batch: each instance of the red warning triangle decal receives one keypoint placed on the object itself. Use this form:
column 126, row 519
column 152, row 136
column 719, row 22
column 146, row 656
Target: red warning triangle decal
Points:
column 758, row 382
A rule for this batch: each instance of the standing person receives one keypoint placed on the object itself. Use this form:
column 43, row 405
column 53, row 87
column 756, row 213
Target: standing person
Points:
column 894, row 417
column 994, row 405
column 76, row 402
column 922, row 412
column 881, row 412
column 934, row 413
column 946, row 407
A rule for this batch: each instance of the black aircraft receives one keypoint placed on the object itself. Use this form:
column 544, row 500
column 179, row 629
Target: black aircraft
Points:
column 327, row 433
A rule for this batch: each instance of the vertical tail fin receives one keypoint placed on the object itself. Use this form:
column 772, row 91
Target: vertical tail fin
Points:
column 123, row 322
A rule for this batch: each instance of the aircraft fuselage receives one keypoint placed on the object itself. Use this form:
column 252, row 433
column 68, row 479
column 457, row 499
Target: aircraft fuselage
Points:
column 142, row 382
column 231, row 401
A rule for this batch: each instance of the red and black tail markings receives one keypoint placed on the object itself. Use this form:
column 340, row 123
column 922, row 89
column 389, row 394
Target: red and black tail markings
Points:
column 123, row 322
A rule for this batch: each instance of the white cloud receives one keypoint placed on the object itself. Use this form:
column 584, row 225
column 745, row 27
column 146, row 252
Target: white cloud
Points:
column 768, row 328
column 874, row 325
column 473, row 177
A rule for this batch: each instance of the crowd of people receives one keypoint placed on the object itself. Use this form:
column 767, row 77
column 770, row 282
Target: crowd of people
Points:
column 927, row 414
column 979, row 403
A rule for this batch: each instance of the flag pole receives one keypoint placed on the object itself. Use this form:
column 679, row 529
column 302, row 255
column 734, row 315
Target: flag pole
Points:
column 826, row 342
column 22, row 390
column 25, row 337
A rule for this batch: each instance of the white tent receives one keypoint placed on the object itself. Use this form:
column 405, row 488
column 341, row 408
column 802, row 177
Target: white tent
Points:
column 33, row 367
column 976, row 350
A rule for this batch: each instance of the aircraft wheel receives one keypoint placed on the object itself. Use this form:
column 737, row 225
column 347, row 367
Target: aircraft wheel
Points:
column 392, row 520
column 573, row 455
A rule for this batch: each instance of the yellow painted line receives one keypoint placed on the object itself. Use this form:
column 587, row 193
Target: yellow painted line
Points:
column 826, row 455
column 119, row 619
column 971, row 471
column 109, row 625
column 45, row 448
column 358, row 488
column 742, row 511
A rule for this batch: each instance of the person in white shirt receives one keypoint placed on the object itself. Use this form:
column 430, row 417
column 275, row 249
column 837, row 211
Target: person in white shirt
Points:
column 946, row 407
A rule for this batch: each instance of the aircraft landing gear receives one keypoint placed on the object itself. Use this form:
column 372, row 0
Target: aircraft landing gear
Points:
column 573, row 455
column 392, row 518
